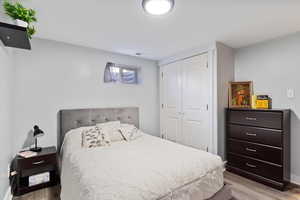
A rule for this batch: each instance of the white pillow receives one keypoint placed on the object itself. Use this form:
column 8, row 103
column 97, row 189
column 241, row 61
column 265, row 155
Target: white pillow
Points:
column 111, row 125
column 113, row 130
column 130, row 132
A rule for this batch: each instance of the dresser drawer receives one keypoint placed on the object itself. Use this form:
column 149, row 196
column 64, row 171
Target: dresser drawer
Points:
column 37, row 162
column 256, row 118
column 266, row 170
column 254, row 134
column 262, row 152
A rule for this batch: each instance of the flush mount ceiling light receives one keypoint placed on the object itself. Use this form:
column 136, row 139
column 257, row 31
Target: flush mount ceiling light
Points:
column 158, row 7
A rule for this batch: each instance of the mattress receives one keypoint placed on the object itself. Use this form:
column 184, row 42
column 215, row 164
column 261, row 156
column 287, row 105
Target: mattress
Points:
column 148, row 168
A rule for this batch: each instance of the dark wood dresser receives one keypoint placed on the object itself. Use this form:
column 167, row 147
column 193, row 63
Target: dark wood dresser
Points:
column 258, row 145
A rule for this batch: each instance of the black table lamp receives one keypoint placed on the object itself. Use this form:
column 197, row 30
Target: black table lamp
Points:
column 37, row 132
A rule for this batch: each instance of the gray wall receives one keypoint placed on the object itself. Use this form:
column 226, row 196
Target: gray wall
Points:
column 56, row 76
column 225, row 74
column 274, row 66
column 6, row 88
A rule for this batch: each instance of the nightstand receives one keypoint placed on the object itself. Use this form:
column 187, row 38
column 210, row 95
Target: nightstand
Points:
column 44, row 161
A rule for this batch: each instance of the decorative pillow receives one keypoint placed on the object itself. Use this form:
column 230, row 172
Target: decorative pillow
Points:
column 130, row 132
column 94, row 137
column 113, row 125
column 113, row 130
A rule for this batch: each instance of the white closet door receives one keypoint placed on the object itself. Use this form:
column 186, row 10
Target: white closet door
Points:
column 171, row 101
column 195, row 100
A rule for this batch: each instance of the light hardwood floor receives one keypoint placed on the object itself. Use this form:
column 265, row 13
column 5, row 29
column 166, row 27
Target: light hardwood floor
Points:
column 245, row 189
column 242, row 189
column 43, row 194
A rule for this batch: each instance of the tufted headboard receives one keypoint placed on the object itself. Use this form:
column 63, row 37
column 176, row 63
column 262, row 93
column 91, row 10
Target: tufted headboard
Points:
column 71, row 119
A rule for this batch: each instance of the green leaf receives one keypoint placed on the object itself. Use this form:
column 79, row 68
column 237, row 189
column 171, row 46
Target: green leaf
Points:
column 30, row 31
column 18, row 11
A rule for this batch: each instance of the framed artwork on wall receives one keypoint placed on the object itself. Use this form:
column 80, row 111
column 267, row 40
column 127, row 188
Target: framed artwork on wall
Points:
column 240, row 94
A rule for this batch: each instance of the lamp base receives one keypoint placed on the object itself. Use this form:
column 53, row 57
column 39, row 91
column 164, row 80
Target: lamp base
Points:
column 36, row 149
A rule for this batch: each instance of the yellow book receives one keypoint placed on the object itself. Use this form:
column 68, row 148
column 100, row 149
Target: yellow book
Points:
column 253, row 101
column 262, row 104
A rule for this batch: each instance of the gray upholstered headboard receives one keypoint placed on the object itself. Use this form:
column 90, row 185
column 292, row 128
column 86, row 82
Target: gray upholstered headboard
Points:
column 71, row 119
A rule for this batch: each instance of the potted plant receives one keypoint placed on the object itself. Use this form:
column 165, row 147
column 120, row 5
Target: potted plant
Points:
column 22, row 16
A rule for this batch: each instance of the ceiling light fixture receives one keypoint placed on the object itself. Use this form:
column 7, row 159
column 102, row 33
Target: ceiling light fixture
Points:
column 158, row 7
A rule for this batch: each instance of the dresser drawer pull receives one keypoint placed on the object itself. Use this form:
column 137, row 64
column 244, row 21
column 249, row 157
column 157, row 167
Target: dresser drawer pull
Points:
column 39, row 162
column 251, row 118
column 251, row 134
column 249, row 165
column 251, row 150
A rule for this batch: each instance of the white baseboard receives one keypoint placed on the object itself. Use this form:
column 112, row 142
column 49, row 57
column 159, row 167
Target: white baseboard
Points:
column 295, row 179
column 8, row 195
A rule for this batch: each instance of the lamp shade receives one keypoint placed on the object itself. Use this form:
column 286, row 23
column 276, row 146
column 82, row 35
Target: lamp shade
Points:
column 37, row 131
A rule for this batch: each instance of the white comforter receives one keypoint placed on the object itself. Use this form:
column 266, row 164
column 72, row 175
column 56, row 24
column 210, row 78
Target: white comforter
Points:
column 147, row 168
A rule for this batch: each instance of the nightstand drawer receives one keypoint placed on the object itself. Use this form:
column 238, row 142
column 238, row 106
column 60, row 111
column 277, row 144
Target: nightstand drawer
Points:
column 37, row 162
column 37, row 170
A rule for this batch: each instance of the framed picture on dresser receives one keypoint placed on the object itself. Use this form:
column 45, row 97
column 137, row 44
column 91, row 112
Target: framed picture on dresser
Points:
column 240, row 94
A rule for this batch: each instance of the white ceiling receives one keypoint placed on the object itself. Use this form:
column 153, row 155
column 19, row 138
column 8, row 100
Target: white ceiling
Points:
column 122, row 25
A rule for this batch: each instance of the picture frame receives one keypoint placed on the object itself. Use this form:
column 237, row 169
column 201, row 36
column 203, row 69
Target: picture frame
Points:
column 240, row 94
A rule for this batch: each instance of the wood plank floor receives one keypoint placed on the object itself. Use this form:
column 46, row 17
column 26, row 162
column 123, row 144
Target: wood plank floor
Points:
column 245, row 189
column 242, row 189
column 43, row 194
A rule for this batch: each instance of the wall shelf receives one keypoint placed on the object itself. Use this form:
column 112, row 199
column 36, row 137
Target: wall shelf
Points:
column 14, row 36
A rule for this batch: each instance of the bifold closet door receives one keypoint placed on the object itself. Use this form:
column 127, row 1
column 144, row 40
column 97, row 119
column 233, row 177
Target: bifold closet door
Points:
column 186, row 92
column 171, row 101
column 195, row 101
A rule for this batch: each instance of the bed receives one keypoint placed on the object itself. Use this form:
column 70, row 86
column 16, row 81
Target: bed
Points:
column 148, row 168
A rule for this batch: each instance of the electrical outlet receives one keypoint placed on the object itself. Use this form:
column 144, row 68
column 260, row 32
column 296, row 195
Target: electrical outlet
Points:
column 290, row 93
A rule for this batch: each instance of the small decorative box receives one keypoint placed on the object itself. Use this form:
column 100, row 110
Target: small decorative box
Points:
column 263, row 102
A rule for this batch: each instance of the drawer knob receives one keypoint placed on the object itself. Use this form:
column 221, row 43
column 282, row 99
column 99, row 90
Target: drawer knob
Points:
column 251, row 150
column 251, row 134
column 39, row 162
column 251, row 118
column 250, row 165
